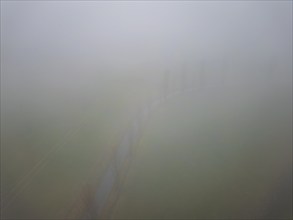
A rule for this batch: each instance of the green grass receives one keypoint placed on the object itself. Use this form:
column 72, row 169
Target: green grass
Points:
column 214, row 156
column 80, row 159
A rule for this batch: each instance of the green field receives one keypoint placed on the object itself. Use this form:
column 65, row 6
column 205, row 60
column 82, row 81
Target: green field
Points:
column 49, row 156
column 212, row 155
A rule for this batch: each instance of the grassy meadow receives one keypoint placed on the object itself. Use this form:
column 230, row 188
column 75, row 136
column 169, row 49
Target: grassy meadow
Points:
column 211, row 155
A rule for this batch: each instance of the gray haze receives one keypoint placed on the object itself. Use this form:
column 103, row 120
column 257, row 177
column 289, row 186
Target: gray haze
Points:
column 66, row 62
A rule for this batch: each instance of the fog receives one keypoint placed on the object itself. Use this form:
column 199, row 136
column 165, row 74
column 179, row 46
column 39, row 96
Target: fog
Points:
column 85, row 82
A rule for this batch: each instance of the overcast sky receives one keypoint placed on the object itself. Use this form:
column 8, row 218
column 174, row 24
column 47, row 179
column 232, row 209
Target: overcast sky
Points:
column 43, row 41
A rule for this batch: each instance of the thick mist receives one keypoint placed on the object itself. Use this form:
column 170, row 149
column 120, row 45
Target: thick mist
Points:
column 193, row 89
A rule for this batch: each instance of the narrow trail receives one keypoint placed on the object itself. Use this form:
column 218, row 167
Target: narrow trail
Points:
column 108, row 190
column 106, row 194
